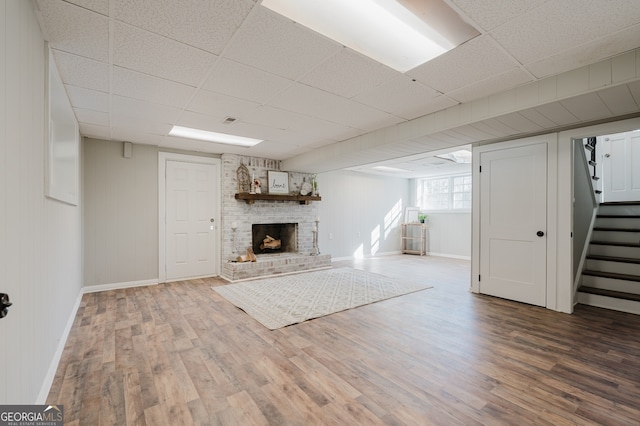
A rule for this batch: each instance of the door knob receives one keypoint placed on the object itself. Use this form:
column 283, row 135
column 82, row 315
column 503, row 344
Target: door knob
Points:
column 4, row 305
column 212, row 220
column 540, row 234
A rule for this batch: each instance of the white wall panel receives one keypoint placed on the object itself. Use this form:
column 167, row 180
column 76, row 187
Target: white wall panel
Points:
column 40, row 244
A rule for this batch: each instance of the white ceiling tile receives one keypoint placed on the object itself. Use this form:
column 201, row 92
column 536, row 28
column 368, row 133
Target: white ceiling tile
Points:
column 558, row 26
column 586, row 53
column 87, row 116
column 490, row 14
column 519, row 122
column 635, row 91
column 348, row 73
column 535, row 116
column 82, row 72
column 487, row 132
column 141, row 110
column 320, row 104
column 299, row 123
column 501, row 128
column 145, row 87
column 88, row 99
column 277, row 45
column 623, row 67
column 141, row 137
column 475, row 60
column 94, row 131
column 129, row 124
column 494, row 84
column 557, row 113
column 619, row 100
column 404, row 97
column 100, row 6
column 244, row 82
column 159, row 56
column 217, row 105
column 587, row 107
column 477, row 132
column 75, row 30
column 203, row 24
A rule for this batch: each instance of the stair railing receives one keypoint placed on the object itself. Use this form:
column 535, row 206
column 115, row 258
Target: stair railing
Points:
column 585, row 204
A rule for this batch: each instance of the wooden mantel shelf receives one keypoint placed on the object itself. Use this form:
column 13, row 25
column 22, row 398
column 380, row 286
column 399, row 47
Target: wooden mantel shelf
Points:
column 251, row 198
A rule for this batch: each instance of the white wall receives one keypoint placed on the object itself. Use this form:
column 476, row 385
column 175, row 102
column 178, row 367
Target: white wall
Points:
column 450, row 234
column 120, row 214
column 40, row 239
column 360, row 214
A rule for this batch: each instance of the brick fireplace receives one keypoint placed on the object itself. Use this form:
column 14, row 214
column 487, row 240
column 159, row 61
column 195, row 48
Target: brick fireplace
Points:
column 265, row 212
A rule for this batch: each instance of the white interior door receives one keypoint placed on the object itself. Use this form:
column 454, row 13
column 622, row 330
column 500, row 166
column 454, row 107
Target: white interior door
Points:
column 621, row 167
column 191, row 191
column 513, row 210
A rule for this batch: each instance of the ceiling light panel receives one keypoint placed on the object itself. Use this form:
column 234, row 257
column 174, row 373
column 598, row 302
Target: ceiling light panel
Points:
column 204, row 135
column 400, row 34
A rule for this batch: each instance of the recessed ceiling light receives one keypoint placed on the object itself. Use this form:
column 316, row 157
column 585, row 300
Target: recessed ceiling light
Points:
column 401, row 34
column 204, row 135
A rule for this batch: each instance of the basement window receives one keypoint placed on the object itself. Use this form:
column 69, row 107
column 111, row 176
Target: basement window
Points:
column 445, row 193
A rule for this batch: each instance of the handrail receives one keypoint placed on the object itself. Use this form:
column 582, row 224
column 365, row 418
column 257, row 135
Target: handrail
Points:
column 585, row 207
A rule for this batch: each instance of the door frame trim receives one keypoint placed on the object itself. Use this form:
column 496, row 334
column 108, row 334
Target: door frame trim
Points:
column 163, row 158
column 551, row 140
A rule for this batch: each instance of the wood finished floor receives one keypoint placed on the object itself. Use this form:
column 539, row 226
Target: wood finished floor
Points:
column 180, row 354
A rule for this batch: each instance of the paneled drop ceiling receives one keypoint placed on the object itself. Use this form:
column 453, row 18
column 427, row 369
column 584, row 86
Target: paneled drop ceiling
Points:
column 134, row 68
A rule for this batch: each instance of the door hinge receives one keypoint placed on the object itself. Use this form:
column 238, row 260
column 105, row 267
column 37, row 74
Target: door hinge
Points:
column 480, row 169
column 479, row 278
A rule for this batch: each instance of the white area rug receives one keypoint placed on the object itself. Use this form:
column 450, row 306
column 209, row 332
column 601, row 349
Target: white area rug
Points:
column 280, row 301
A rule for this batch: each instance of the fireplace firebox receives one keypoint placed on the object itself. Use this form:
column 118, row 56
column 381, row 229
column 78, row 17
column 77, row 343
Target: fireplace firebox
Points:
column 286, row 233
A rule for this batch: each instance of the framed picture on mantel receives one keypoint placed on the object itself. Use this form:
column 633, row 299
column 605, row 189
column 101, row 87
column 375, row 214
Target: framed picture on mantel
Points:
column 278, row 182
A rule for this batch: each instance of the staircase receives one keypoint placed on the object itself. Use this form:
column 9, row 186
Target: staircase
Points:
column 611, row 278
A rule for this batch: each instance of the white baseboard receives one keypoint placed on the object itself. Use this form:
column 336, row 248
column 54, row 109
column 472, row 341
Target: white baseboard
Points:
column 453, row 256
column 53, row 366
column 368, row 256
column 118, row 286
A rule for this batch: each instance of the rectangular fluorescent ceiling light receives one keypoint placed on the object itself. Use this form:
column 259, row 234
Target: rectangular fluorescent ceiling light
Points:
column 401, row 34
column 204, row 135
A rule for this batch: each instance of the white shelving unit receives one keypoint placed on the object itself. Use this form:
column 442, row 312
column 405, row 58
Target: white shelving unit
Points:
column 414, row 238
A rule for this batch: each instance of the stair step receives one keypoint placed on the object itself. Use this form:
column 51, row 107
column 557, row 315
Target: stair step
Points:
column 615, row 243
column 603, row 228
column 610, row 293
column 622, row 236
column 613, row 275
column 613, row 258
column 606, row 249
column 621, row 203
column 613, row 266
column 612, row 303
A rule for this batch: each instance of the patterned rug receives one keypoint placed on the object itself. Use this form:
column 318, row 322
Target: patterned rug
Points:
column 290, row 299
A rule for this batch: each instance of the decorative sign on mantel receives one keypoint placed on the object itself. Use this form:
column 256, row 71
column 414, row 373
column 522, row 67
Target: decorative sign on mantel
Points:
column 278, row 182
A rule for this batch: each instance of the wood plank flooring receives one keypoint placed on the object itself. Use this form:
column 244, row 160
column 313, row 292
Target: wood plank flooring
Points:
column 179, row 353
